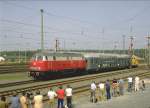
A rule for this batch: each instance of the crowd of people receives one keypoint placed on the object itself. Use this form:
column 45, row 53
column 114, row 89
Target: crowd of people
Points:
column 29, row 100
column 99, row 92
column 105, row 90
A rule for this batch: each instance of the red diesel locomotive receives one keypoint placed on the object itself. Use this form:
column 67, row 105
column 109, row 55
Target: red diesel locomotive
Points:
column 56, row 64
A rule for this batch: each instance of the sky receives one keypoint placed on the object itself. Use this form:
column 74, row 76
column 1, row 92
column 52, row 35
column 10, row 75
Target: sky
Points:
column 84, row 24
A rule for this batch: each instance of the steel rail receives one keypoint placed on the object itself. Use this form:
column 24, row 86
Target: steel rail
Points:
column 17, row 83
column 43, row 86
column 33, row 81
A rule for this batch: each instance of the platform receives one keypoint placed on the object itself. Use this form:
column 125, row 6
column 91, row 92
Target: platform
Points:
column 140, row 99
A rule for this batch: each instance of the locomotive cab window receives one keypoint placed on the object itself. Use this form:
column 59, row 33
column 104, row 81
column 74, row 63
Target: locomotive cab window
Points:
column 39, row 58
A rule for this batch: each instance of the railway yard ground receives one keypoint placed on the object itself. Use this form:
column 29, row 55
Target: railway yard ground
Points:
column 81, row 85
column 6, row 78
column 138, row 99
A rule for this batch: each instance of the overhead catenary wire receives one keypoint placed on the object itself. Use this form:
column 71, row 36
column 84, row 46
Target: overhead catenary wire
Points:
column 74, row 19
column 52, row 14
column 82, row 33
column 37, row 26
column 83, row 21
column 46, row 27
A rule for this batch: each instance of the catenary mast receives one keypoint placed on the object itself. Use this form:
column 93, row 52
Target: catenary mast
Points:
column 42, row 34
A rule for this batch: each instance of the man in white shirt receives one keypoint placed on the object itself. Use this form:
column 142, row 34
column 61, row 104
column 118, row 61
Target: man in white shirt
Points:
column 93, row 90
column 130, row 83
column 51, row 94
column 68, row 92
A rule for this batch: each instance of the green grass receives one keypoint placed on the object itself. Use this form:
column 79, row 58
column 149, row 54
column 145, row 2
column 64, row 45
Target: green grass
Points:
column 12, row 63
column 13, row 77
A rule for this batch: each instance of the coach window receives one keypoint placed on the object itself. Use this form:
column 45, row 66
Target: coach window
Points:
column 92, row 60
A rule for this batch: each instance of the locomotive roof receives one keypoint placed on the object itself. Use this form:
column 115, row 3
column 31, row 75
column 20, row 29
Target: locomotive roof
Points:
column 104, row 55
column 77, row 54
column 73, row 54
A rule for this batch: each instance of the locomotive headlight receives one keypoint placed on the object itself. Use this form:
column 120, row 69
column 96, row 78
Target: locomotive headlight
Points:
column 35, row 68
column 39, row 68
column 34, row 63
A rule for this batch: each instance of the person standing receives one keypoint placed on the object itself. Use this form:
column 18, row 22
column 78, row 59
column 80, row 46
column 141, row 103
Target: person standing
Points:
column 29, row 98
column 107, row 84
column 51, row 94
column 68, row 92
column 143, row 85
column 130, row 83
column 38, row 100
column 60, row 95
column 114, row 86
column 137, row 83
column 121, row 86
column 102, row 90
column 3, row 103
column 14, row 100
column 93, row 92
column 23, row 100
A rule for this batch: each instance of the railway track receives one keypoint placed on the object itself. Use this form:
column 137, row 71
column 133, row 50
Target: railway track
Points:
column 5, row 69
column 33, row 81
column 17, row 83
column 110, row 75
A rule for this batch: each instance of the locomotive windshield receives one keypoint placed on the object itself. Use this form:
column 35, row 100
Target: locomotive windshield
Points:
column 39, row 57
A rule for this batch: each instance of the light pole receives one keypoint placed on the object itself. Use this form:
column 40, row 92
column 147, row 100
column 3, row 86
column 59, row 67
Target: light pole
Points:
column 42, row 35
